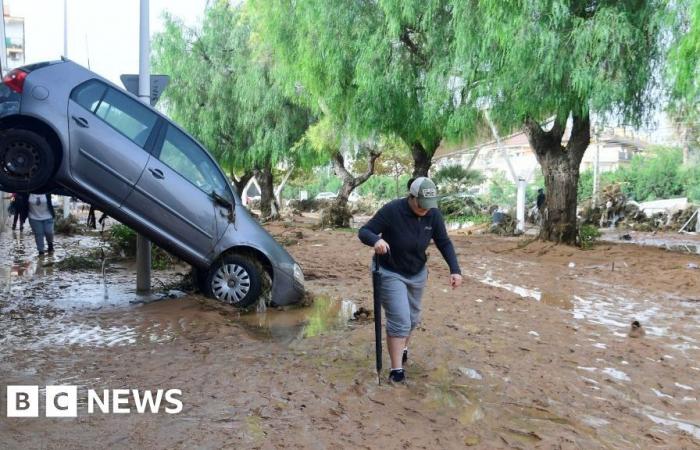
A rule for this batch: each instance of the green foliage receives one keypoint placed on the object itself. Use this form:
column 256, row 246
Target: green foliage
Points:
column 223, row 92
column 123, row 242
column 456, row 178
column 654, row 175
column 683, row 68
column 377, row 67
column 587, row 235
column 590, row 56
column 501, row 191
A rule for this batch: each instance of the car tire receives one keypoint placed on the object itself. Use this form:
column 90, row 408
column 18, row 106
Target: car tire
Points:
column 236, row 280
column 26, row 161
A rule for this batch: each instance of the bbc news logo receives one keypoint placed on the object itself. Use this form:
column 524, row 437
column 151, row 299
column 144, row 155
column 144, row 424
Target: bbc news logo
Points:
column 62, row 401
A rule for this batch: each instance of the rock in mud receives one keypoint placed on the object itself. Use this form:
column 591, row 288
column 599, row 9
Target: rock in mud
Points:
column 636, row 330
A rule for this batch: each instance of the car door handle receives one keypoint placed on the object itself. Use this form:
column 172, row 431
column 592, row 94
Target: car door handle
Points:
column 81, row 121
column 157, row 173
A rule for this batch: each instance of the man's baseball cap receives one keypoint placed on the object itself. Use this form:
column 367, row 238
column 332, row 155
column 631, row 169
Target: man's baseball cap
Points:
column 425, row 192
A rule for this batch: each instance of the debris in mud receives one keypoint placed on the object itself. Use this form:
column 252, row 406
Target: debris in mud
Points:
column 68, row 225
column 636, row 330
column 75, row 263
column 336, row 216
column 471, row 373
column 503, row 224
column 362, row 314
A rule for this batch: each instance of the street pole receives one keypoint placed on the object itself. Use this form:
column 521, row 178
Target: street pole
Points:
column 66, row 199
column 596, row 169
column 143, row 245
column 3, row 70
column 520, row 204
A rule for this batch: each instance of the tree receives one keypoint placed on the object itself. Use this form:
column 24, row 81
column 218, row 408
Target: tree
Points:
column 223, row 91
column 683, row 73
column 456, row 178
column 546, row 66
column 379, row 68
column 325, row 140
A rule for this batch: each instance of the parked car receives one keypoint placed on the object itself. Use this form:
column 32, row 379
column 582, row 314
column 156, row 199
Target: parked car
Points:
column 63, row 126
column 325, row 196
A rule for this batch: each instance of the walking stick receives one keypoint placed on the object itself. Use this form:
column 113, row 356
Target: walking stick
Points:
column 377, row 318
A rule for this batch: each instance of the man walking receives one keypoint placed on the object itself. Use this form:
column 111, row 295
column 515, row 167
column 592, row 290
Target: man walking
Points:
column 400, row 233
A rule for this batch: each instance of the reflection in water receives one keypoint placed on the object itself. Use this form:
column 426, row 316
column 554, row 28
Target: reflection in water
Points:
column 521, row 291
column 300, row 322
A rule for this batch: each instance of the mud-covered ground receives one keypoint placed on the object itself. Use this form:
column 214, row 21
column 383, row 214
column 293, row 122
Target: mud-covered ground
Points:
column 532, row 351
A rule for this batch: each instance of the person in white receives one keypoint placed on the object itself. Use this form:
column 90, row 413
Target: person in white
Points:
column 41, row 216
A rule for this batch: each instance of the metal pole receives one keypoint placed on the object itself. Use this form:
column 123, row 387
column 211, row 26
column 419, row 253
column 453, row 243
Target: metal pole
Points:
column 596, row 170
column 66, row 199
column 143, row 245
column 65, row 28
column 3, row 70
column 520, row 205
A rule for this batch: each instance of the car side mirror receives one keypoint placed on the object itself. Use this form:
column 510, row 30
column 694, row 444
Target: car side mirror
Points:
column 225, row 203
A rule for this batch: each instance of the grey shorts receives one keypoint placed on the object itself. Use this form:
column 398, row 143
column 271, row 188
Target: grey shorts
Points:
column 401, row 298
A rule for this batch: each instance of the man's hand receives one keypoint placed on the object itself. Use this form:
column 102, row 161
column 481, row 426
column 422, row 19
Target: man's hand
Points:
column 455, row 280
column 381, row 247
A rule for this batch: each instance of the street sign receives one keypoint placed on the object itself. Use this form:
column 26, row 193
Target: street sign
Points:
column 158, row 85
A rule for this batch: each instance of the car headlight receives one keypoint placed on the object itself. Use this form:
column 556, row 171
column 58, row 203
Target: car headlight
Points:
column 298, row 274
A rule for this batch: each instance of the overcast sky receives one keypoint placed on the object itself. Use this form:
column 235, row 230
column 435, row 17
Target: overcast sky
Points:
column 105, row 30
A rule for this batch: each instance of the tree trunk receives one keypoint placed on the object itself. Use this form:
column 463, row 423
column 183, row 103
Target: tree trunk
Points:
column 339, row 214
column 422, row 159
column 240, row 182
column 560, row 167
column 268, row 208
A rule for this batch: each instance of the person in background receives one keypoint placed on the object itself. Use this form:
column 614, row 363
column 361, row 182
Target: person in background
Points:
column 400, row 233
column 20, row 210
column 41, row 217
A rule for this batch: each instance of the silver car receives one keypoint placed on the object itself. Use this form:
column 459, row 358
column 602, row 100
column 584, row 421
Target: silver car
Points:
column 65, row 127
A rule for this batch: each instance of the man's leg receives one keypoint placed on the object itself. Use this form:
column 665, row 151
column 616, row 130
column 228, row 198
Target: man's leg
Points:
column 48, row 231
column 398, row 317
column 38, row 229
column 414, row 291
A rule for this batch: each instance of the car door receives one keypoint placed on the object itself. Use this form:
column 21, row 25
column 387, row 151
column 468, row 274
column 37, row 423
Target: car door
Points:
column 109, row 132
column 176, row 197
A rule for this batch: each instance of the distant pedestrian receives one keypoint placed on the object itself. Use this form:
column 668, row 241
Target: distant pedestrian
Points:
column 41, row 217
column 20, row 210
column 540, row 199
column 400, row 233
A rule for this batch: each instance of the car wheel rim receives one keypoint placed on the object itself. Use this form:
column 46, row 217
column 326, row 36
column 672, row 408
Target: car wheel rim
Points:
column 231, row 283
column 21, row 160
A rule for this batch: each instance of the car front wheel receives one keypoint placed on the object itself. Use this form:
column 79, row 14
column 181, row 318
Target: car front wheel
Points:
column 26, row 161
column 236, row 280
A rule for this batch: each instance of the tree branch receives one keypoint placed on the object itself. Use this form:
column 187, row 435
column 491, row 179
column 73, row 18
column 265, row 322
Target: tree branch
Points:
column 373, row 155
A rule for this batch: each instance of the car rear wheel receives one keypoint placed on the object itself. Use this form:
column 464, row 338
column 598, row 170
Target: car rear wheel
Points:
column 26, row 161
column 236, row 280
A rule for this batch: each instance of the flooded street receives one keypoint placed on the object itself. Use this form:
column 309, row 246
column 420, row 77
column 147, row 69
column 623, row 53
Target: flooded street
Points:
column 532, row 351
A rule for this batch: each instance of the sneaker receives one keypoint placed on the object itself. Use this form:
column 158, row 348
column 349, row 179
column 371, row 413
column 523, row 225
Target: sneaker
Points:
column 50, row 249
column 397, row 376
column 41, row 253
column 404, row 357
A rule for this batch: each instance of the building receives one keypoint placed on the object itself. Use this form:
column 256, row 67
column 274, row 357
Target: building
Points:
column 14, row 39
column 614, row 147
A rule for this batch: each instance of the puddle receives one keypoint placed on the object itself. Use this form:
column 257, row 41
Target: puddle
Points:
column 520, row 290
column 285, row 326
column 688, row 427
column 678, row 244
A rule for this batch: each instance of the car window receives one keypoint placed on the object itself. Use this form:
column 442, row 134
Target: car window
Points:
column 89, row 94
column 187, row 158
column 127, row 116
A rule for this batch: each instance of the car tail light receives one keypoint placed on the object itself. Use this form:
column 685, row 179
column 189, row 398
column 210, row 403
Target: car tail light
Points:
column 15, row 80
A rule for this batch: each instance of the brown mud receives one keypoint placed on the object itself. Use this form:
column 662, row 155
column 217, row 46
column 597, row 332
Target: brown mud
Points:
column 532, row 351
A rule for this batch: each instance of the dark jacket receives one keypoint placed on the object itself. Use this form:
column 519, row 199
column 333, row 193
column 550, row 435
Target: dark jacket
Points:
column 22, row 204
column 408, row 236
